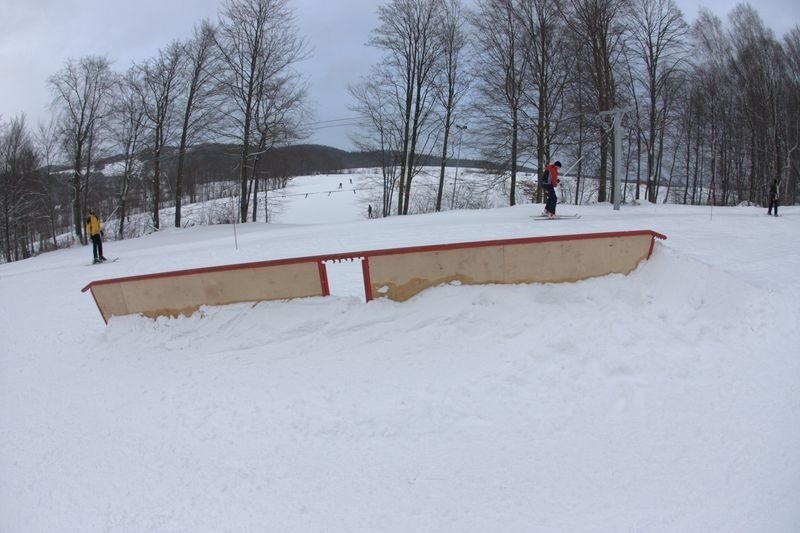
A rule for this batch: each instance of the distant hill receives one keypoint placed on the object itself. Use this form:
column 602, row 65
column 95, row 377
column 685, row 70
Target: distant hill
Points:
column 221, row 161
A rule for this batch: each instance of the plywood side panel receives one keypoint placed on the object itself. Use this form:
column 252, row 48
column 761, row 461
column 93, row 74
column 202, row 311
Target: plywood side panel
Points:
column 401, row 276
column 110, row 300
column 176, row 295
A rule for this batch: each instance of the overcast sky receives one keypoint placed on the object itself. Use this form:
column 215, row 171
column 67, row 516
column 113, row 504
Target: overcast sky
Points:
column 38, row 36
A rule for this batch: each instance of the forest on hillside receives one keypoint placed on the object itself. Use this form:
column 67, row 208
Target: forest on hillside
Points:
column 711, row 109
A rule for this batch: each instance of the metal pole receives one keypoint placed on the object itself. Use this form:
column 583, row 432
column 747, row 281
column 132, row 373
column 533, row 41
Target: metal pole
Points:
column 616, row 120
column 617, row 159
column 573, row 166
column 458, row 163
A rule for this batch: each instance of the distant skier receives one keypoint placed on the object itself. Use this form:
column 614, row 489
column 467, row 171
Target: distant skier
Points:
column 773, row 196
column 549, row 184
column 95, row 231
column 369, row 211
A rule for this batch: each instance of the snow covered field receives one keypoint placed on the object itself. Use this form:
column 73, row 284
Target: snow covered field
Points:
column 666, row 400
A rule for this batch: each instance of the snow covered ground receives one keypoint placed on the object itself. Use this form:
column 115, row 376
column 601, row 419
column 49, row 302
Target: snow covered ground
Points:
column 666, row 400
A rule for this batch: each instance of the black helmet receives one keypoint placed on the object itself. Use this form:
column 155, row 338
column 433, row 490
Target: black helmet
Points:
column 558, row 164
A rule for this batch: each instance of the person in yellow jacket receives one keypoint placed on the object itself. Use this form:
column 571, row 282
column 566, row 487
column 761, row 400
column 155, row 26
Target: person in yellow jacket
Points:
column 95, row 231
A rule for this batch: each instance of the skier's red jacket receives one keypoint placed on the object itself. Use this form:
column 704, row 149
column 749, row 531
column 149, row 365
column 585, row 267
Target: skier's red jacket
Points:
column 553, row 170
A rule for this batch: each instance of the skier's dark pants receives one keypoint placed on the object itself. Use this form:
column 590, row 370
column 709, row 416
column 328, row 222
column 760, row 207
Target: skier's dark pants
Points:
column 773, row 204
column 97, row 246
column 550, row 192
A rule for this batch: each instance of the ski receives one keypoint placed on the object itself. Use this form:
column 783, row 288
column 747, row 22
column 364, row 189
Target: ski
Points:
column 557, row 217
column 112, row 260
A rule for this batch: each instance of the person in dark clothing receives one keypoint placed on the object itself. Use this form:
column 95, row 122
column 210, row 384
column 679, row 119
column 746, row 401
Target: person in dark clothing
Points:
column 95, row 231
column 773, row 196
column 549, row 184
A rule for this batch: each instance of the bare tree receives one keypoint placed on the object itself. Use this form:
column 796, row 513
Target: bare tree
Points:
column 599, row 24
column 711, row 96
column 549, row 67
column 791, row 46
column 382, row 130
column 408, row 34
column 259, row 44
column 279, row 118
column 502, row 74
column 18, row 164
column 659, row 35
column 51, row 191
column 758, row 64
column 161, row 78
column 127, row 128
column 454, row 82
column 80, row 93
column 200, row 53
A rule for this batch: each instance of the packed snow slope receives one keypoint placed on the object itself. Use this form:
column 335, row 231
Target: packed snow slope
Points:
column 665, row 400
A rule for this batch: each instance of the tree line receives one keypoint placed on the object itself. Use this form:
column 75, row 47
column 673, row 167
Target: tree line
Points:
column 710, row 109
column 231, row 82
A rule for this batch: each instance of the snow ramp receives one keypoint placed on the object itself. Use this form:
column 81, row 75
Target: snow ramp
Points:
column 396, row 273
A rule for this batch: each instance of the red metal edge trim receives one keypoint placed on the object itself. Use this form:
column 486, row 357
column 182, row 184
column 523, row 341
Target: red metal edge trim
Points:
column 323, row 279
column 375, row 253
column 505, row 242
column 367, row 279
column 653, row 242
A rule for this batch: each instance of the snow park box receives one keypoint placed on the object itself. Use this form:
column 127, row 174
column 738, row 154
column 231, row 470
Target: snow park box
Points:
column 397, row 273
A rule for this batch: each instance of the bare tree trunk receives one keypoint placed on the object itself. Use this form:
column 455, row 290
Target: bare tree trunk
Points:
column 452, row 42
column 596, row 23
column 199, row 51
column 80, row 89
column 504, row 46
column 259, row 45
column 160, row 77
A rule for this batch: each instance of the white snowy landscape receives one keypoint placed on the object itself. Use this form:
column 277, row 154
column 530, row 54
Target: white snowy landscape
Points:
column 667, row 400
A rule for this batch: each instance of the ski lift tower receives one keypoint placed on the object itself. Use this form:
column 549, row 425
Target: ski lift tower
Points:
column 616, row 121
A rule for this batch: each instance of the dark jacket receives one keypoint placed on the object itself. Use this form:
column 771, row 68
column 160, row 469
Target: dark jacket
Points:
column 773, row 191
